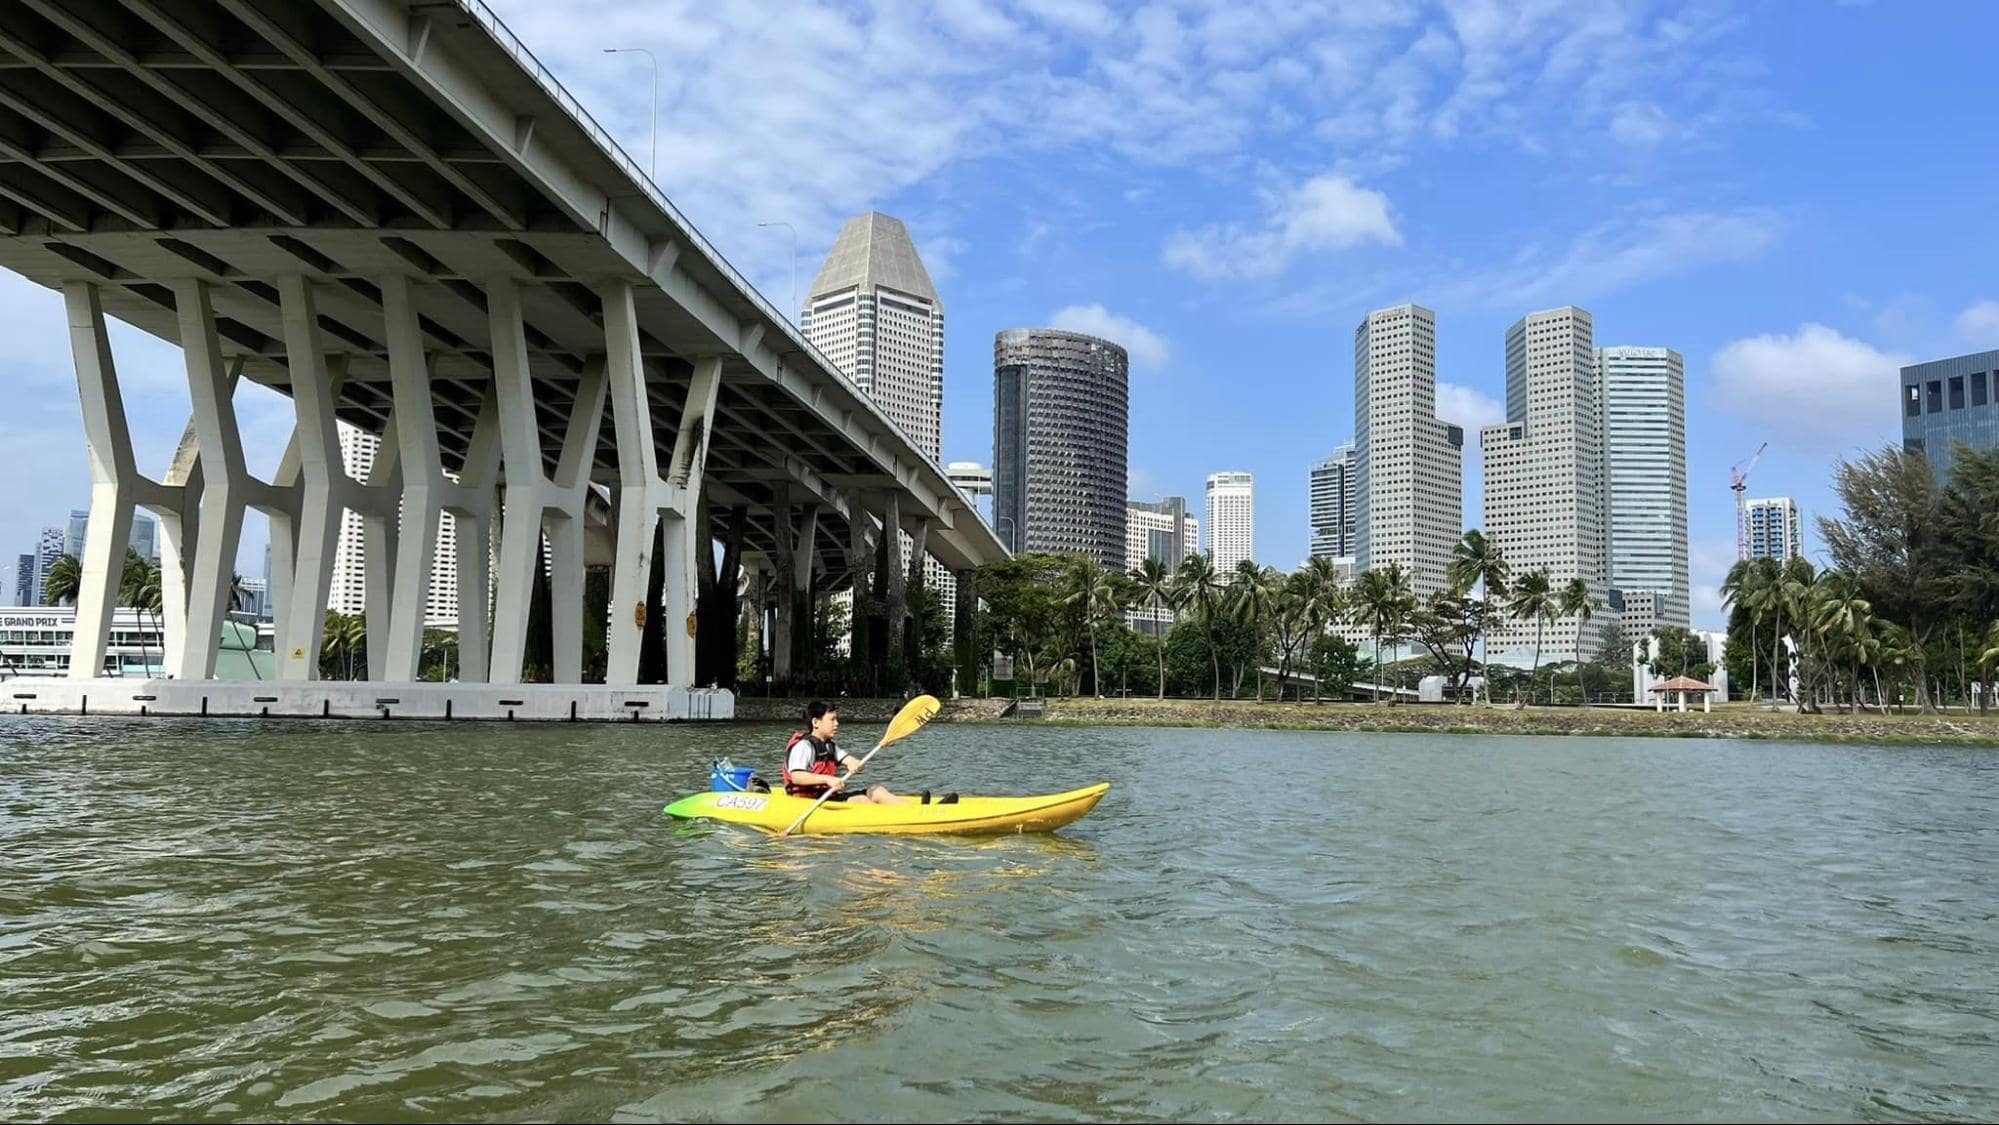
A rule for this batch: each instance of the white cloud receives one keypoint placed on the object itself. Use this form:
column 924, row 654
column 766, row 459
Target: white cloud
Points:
column 1614, row 255
column 1470, row 408
column 1815, row 389
column 1980, row 323
column 1084, row 17
column 1328, row 212
column 1167, row 84
column 1641, row 125
column 1148, row 349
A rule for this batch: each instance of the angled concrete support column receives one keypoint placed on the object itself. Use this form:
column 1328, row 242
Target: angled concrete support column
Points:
column 535, row 504
column 474, row 545
column 860, row 572
column 179, row 513
column 898, row 583
column 112, row 473
column 686, row 540
column 644, row 497
column 283, row 520
column 784, row 556
column 223, row 484
column 964, row 619
column 639, row 486
column 474, row 509
column 793, row 560
column 911, row 624
column 325, row 488
column 381, row 543
column 423, row 484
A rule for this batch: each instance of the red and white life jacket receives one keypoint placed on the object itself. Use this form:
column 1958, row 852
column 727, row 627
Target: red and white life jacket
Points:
column 825, row 761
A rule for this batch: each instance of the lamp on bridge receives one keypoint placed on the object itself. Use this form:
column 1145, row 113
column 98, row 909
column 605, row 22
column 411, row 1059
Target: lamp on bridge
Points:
column 794, row 262
column 652, row 165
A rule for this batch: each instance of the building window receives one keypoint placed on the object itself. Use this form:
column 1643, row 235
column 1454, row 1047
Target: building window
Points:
column 1914, row 406
column 1935, row 389
column 1978, row 388
column 1957, row 392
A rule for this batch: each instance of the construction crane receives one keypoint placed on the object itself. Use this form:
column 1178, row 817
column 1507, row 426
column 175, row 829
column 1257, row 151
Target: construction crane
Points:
column 1738, row 474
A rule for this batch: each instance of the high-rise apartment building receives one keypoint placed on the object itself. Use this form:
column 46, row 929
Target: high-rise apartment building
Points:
column 1408, row 464
column 1643, row 392
column 1231, row 520
column 1061, row 417
column 1545, row 501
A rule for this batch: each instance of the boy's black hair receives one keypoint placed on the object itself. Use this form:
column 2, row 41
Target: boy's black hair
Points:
column 819, row 709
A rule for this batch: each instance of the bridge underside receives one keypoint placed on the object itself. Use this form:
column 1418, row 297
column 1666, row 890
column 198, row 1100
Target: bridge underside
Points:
column 387, row 211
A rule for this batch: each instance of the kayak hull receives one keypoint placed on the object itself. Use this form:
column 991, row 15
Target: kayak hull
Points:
column 969, row 816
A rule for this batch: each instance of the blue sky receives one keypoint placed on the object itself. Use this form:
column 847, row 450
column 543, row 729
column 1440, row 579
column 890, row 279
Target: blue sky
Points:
column 1798, row 197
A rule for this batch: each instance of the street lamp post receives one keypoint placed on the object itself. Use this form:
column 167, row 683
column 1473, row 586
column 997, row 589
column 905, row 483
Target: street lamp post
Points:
column 652, row 168
column 1010, row 544
column 794, row 259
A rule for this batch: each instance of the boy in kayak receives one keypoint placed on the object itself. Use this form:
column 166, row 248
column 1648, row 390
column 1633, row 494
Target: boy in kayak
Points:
column 813, row 758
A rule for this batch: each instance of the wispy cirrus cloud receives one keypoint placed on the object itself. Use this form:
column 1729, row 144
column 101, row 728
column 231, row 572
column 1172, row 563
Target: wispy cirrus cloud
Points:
column 1328, row 212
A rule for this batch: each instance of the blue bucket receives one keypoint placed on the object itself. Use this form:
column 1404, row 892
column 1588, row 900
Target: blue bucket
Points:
column 735, row 779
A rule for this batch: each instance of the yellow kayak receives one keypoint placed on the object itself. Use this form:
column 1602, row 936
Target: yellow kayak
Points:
column 772, row 812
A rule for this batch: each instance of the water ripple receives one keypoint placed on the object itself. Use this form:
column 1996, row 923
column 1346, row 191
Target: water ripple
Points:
column 405, row 922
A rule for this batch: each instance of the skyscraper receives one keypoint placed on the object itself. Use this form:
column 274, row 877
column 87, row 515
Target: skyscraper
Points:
column 1163, row 531
column 348, row 592
column 1333, row 499
column 46, row 555
column 1231, row 520
column 1775, row 529
column 873, row 312
column 1951, row 400
column 1061, row 414
column 24, row 581
column 144, row 537
column 1544, row 496
column 1408, row 464
column 1645, row 472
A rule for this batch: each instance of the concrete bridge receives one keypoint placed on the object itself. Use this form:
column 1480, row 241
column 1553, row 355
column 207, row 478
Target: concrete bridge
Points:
column 391, row 212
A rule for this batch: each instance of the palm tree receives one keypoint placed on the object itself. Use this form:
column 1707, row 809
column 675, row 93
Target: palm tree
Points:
column 1842, row 619
column 1988, row 660
column 1533, row 599
column 1380, row 601
column 1253, row 596
column 442, row 645
column 1578, row 603
column 64, row 579
column 1202, row 591
column 1324, row 602
column 139, row 588
column 1748, row 585
column 345, row 635
column 1477, row 560
column 1155, row 588
column 1787, row 594
column 1096, row 590
column 1895, row 653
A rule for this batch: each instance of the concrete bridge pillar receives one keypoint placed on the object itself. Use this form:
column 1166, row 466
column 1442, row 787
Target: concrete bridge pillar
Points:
column 793, row 560
column 538, row 504
column 224, row 481
column 897, row 580
column 645, row 498
column 861, row 570
column 113, row 477
column 964, row 620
